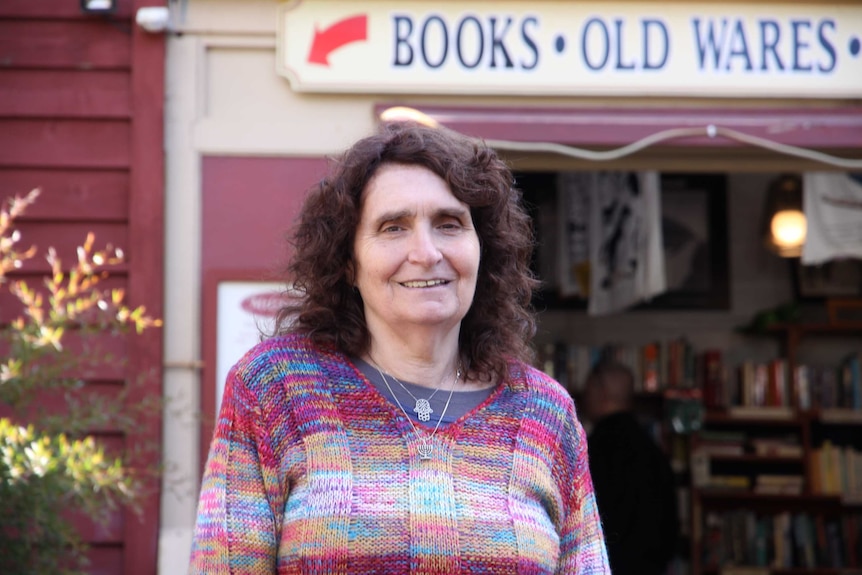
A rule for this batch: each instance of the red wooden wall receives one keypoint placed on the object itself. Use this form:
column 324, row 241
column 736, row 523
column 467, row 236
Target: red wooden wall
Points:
column 81, row 117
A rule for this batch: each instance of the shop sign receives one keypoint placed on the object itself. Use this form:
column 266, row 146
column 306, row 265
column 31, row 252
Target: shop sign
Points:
column 538, row 48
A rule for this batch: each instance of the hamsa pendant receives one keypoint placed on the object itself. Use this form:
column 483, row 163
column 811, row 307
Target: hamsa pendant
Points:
column 423, row 408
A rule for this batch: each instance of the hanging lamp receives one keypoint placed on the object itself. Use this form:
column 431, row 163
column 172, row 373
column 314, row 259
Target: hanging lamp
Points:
column 784, row 223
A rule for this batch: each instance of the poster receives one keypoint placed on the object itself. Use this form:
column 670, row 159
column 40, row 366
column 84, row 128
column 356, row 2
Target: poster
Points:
column 245, row 312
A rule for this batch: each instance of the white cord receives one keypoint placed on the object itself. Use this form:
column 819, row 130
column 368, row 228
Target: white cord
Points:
column 711, row 131
column 406, row 113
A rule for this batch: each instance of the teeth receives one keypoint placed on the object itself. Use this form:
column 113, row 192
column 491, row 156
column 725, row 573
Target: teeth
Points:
column 423, row 283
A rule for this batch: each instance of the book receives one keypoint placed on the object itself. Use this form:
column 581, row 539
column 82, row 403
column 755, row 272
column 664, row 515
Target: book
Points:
column 721, row 448
column 778, row 484
column 803, row 536
column 760, row 412
column 650, row 367
column 834, row 544
column 712, row 379
column 802, row 391
column 783, row 557
column 729, row 482
column 776, row 447
column 777, row 392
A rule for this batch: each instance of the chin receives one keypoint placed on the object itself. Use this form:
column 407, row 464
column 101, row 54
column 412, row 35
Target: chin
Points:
column 432, row 318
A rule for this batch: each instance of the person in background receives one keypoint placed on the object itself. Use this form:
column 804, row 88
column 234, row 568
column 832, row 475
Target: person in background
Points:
column 633, row 480
column 393, row 423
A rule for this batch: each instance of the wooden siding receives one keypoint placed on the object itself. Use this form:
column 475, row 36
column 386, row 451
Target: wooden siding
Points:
column 84, row 194
column 65, row 93
column 81, row 112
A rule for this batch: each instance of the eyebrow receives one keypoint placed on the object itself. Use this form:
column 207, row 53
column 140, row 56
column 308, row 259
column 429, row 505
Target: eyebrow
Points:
column 391, row 217
column 394, row 216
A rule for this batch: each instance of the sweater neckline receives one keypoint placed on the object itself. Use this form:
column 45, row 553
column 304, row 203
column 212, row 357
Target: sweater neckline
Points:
column 404, row 424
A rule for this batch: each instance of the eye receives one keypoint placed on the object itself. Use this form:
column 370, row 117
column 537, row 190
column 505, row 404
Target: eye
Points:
column 450, row 225
column 391, row 228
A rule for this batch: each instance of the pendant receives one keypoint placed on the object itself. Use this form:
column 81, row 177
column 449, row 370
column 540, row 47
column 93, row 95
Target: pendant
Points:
column 424, row 450
column 423, row 408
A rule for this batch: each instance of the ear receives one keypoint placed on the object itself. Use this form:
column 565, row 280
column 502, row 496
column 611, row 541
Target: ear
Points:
column 350, row 273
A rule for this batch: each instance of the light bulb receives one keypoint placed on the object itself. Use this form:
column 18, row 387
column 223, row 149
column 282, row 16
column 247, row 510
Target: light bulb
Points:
column 789, row 228
column 406, row 114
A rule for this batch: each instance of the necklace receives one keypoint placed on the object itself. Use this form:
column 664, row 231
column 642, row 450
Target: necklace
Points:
column 425, row 446
column 423, row 406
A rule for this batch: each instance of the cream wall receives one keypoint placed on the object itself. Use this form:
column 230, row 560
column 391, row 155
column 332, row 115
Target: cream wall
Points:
column 224, row 97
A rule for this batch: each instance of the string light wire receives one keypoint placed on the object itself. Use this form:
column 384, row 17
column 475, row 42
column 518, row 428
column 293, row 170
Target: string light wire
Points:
column 712, row 131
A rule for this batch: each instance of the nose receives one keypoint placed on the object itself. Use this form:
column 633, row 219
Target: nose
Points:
column 423, row 247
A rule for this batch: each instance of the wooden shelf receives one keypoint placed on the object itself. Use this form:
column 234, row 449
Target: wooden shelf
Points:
column 756, row 416
column 814, row 328
column 745, row 495
column 755, row 458
column 752, row 570
column 839, row 416
column 783, row 416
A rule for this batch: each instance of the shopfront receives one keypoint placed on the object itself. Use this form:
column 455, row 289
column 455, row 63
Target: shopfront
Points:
column 260, row 93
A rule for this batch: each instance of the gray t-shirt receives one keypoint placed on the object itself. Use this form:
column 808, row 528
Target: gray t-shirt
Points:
column 462, row 401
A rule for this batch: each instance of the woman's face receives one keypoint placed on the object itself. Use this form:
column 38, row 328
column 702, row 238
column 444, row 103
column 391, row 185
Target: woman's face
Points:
column 416, row 254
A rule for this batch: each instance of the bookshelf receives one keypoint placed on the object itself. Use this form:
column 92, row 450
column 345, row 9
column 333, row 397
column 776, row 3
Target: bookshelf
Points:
column 754, row 472
column 663, row 376
column 776, row 470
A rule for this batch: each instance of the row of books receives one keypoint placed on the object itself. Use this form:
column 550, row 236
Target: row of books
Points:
column 727, row 446
column 763, row 484
column 655, row 365
column 775, row 384
column 658, row 366
column 837, row 470
column 737, row 442
column 782, row 540
column 829, row 387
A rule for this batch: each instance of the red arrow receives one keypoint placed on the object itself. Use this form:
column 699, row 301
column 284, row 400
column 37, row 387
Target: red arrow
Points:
column 352, row 29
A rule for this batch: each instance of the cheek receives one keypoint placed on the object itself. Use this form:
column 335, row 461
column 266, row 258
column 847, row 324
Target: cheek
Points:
column 377, row 269
column 476, row 260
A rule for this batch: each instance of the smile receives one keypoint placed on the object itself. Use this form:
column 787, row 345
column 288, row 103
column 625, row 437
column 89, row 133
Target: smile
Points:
column 424, row 283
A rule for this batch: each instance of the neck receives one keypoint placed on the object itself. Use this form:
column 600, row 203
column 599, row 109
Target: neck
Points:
column 426, row 359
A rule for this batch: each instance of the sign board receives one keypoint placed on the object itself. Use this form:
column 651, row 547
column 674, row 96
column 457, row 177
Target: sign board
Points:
column 245, row 310
column 506, row 47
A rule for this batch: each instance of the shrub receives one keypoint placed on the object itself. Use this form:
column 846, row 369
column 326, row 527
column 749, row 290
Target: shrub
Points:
column 50, row 462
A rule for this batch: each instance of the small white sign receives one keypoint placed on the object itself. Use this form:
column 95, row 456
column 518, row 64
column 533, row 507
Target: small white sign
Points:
column 245, row 312
column 507, row 47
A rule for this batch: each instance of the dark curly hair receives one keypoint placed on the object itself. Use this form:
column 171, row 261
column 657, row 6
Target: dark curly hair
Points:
column 500, row 322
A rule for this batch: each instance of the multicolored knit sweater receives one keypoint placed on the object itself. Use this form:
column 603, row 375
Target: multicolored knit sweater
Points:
column 312, row 471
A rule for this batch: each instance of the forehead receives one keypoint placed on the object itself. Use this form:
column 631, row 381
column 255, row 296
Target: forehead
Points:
column 409, row 183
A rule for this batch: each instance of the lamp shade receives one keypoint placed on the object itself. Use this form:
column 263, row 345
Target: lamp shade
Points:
column 784, row 224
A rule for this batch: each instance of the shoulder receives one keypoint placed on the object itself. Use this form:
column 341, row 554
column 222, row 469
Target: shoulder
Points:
column 550, row 416
column 544, row 398
column 282, row 358
column 525, row 377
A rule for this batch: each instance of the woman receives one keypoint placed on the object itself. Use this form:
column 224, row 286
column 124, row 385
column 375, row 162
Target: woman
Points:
column 393, row 424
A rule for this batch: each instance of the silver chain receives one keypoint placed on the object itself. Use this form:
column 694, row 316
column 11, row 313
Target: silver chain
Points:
column 423, row 406
column 425, row 448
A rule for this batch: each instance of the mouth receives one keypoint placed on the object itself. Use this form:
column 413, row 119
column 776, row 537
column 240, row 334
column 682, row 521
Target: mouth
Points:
column 424, row 283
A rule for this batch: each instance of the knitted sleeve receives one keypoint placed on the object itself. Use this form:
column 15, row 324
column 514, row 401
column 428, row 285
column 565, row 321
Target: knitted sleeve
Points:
column 239, row 510
column 582, row 541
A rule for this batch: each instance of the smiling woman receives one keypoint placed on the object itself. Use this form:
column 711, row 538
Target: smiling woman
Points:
column 412, row 257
